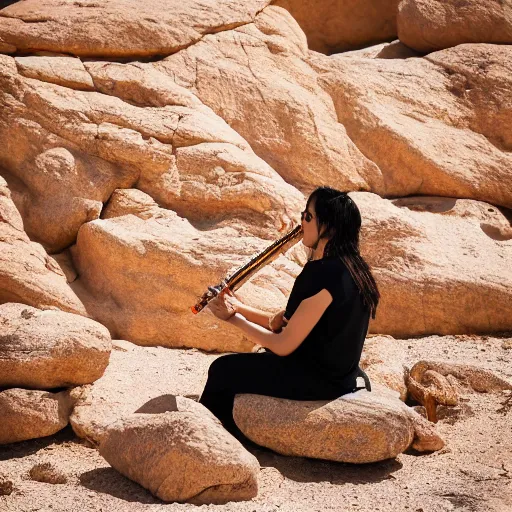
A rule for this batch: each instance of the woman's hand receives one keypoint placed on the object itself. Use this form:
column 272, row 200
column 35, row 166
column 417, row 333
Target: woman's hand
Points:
column 278, row 321
column 224, row 306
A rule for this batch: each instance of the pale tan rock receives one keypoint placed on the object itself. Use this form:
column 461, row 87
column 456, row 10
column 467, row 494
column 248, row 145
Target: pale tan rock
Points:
column 360, row 427
column 80, row 146
column 65, row 71
column 182, row 455
column 178, row 263
column 165, row 373
column 50, row 349
column 437, row 272
column 429, row 25
column 27, row 274
column 393, row 50
column 29, row 414
column 470, row 376
column 255, row 78
column 384, row 362
column 432, row 125
column 339, row 25
column 113, row 28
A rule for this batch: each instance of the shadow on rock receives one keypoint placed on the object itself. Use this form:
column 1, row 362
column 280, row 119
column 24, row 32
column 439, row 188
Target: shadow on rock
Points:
column 109, row 481
column 159, row 405
column 301, row 469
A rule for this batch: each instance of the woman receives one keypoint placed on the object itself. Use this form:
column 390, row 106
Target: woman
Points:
column 314, row 346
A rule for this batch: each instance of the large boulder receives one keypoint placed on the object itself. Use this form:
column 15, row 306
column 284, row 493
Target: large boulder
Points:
column 113, row 28
column 437, row 125
column 178, row 263
column 50, row 349
column 440, row 271
column 183, row 454
column 256, row 78
column 429, row 25
column 340, row 25
column 68, row 150
column 28, row 414
column 27, row 274
column 360, row 427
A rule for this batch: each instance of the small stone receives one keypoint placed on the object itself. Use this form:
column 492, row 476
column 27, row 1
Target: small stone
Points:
column 47, row 473
column 6, row 486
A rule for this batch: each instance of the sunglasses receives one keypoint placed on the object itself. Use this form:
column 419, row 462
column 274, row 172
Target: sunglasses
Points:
column 305, row 215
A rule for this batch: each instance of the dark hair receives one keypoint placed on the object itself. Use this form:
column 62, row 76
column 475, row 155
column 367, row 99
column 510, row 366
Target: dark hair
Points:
column 337, row 212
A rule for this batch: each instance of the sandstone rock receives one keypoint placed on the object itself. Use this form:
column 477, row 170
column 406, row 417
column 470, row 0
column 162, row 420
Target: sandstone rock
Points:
column 429, row 25
column 450, row 137
column 113, row 28
column 28, row 414
column 6, row 486
column 27, row 274
column 384, row 362
column 65, row 71
column 360, row 427
column 182, row 455
column 394, row 50
column 46, row 472
column 80, row 146
column 177, row 261
column 118, row 393
column 256, row 79
column 437, row 272
column 50, row 349
column 341, row 25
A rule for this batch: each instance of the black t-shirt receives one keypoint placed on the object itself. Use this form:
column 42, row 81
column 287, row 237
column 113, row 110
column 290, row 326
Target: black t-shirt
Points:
column 334, row 345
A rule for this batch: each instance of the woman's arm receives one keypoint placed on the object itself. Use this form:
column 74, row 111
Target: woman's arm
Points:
column 256, row 316
column 300, row 325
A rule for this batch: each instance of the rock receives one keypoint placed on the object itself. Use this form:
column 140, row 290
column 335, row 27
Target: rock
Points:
column 165, row 373
column 393, row 50
column 341, row 25
column 27, row 273
column 80, row 146
column 294, row 127
column 50, row 349
column 358, row 428
column 182, row 455
column 450, row 137
column 429, row 25
column 65, row 71
column 6, row 486
column 384, row 362
column 112, row 29
column 46, row 472
column 178, row 261
column 439, row 272
column 28, row 414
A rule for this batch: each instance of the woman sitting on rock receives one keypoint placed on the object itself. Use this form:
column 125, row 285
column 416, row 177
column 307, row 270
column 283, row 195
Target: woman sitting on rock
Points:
column 314, row 346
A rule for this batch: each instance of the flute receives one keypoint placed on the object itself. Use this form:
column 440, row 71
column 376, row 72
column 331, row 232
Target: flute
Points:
column 243, row 273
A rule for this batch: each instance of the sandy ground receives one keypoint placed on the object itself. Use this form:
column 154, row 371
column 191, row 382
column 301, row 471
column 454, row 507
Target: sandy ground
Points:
column 473, row 472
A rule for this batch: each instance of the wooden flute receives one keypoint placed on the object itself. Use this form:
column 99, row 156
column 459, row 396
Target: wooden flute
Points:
column 243, row 273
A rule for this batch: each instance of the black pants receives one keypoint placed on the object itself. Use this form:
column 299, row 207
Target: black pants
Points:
column 263, row 374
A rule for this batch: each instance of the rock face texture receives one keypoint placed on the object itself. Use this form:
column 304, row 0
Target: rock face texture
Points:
column 360, row 427
column 429, row 25
column 340, row 25
column 437, row 272
column 113, row 28
column 256, row 78
column 80, row 146
column 27, row 274
column 182, row 455
column 50, row 349
column 28, row 414
column 451, row 137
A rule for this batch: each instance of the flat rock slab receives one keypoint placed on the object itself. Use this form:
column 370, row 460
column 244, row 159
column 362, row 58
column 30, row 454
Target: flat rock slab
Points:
column 50, row 349
column 358, row 428
column 183, row 454
column 29, row 414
